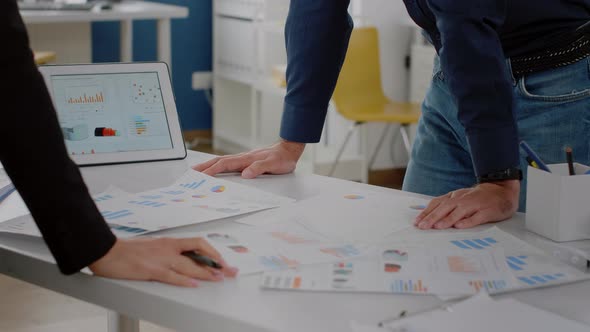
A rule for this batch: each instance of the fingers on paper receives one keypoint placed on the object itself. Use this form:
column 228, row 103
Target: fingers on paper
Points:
column 437, row 214
column 257, row 168
column 225, row 164
column 458, row 214
column 431, row 207
column 203, row 166
column 479, row 218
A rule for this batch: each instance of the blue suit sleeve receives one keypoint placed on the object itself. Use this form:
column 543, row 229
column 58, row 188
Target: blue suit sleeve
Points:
column 474, row 66
column 316, row 36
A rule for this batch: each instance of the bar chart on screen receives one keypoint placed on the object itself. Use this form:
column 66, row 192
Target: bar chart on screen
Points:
column 92, row 94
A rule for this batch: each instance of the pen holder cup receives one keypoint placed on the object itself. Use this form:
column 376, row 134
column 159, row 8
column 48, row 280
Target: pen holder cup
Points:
column 558, row 205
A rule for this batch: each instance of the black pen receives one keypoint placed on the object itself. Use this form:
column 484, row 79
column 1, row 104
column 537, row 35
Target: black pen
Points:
column 202, row 260
column 570, row 160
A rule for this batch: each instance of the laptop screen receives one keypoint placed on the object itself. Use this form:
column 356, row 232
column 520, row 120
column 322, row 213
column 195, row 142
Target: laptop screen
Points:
column 106, row 113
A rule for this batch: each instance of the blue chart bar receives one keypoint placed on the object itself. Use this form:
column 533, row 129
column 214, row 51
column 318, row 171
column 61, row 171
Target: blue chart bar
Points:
column 151, row 196
column 541, row 279
column 173, row 192
column 127, row 229
column 474, row 243
column 490, row 240
column 103, row 198
column 116, row 215
column 148, row 203
column 527, row 280
column 193, row 185
column 517, row 260
column 460, row 244
column 513, row 266
column 516, row 263
column 481, row 242
column 497, row 285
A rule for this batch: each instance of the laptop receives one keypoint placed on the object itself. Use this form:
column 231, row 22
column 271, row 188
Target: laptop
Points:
column 116, row 113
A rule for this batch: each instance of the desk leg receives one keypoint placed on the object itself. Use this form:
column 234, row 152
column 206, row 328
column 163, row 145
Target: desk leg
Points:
column 121, row 323
column 126, row 40
column 164, row 51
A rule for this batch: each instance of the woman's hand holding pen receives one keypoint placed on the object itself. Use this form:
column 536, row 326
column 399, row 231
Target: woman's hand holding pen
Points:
column 161, row 259
column 466, row 208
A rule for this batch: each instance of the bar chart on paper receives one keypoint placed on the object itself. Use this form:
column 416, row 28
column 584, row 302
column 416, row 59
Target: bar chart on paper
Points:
column 478, row 244
column 488, row 285
column 516, row 263
column 408, row 286
column 193, row 185
column 541, row 279
column 108, row 215
column 148, row 203
column 103, row 198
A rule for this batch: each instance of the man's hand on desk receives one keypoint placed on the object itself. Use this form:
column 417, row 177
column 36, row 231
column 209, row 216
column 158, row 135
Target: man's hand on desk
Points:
column 161, row 259
column 280, row 158
column 466, row 208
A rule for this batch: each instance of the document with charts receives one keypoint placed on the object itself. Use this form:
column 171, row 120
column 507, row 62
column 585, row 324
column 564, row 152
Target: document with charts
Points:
column 532, row 267
column 193, row 198
column 400, row 270
column 452, row 264
column 278, row 247
column 25, row 225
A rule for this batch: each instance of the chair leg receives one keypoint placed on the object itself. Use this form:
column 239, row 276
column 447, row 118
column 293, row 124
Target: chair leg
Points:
column 406, row 138
column 379, row 144
column 341, row 151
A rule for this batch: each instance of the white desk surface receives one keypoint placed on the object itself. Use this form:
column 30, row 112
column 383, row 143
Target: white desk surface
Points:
column 239, row 305
column 136, row 10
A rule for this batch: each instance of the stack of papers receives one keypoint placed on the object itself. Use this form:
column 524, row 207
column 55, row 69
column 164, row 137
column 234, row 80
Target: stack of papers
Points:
column 194, row 198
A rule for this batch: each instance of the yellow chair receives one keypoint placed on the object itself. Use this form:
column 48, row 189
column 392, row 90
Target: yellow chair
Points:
column 359, row 96
column 44, row 57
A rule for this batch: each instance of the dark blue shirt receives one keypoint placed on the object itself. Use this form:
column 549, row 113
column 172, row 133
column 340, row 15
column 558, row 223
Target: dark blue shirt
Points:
column 473, row 40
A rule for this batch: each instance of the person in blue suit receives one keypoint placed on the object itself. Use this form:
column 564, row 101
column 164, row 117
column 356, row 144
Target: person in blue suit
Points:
column 506, row 70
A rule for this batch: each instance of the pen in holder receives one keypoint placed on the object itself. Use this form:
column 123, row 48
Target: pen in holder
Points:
column 558, row 205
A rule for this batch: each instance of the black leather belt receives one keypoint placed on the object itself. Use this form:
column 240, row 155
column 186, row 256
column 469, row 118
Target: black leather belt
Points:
column 568, row 51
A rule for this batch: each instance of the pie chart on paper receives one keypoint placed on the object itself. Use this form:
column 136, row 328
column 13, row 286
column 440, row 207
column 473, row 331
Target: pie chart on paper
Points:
column 218, row 189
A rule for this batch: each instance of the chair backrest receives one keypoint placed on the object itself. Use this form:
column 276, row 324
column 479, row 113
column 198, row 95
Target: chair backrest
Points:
column 359, row 84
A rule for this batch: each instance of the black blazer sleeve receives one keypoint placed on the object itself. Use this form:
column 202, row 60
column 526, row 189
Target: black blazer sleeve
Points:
column 33, row 153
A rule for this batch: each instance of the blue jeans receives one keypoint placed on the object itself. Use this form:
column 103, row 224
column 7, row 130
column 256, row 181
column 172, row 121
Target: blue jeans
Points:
column 552, row 111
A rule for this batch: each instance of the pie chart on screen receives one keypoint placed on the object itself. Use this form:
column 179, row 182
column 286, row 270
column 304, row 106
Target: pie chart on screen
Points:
column 218, row 189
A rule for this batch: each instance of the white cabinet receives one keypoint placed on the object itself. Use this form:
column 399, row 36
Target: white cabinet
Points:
column 248, row 40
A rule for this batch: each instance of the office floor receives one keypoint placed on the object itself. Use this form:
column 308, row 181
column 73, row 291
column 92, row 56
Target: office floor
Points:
column 28, row 308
